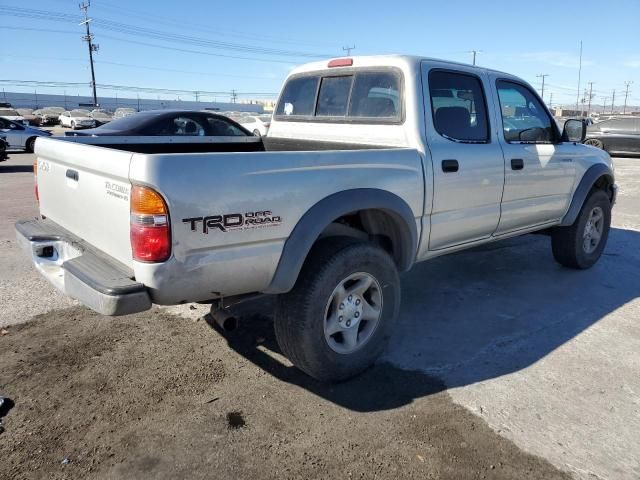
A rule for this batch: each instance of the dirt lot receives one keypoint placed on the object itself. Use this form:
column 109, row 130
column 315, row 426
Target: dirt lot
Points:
column 157, row 396
column 504, row 365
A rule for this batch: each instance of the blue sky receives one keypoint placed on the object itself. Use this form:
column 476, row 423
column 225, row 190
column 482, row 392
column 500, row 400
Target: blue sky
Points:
column 524, row 38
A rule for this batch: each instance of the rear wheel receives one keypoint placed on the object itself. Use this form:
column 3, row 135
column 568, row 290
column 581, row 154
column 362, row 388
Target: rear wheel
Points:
column 339, row 316
column 594, row 142
column 30, row 144
column 581, row 244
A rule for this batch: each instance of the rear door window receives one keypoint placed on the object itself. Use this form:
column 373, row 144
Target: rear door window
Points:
column 299, row 97
column 333, row 98
column 376, row 94
column 459, row 106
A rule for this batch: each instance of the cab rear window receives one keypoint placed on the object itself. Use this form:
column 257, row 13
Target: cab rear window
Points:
column 362, row 96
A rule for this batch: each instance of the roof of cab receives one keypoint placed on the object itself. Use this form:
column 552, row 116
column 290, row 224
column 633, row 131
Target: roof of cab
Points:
column 406, row 61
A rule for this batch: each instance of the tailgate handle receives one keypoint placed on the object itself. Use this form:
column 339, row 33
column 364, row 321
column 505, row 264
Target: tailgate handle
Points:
column 72, row 174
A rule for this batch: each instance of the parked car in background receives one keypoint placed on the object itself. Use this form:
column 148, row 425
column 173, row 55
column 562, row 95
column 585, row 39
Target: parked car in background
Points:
column 618, row 136
column 77, row 119
column 49, row 115
column 161, row 124
column 30, row 118
column 19, row 136
column 123, row 112
column 172, row 130
column 258, row 125
column 11, row 114
column 101, row 117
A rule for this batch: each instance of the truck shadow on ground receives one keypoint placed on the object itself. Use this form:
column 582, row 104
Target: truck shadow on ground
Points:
column 467, row 318
column 15, row 168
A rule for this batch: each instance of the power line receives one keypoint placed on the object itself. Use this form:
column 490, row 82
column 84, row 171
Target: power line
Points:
column 128, row 88
column 162, row 35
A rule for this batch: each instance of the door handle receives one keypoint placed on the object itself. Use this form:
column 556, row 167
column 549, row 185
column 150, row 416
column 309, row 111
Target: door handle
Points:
column 449, row 166
column 517, row 164
column 72, row 174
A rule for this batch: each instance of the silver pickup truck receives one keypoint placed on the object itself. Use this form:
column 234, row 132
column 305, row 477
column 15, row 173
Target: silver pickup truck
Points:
column 371, row 164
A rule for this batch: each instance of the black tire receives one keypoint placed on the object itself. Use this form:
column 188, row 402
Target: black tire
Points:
column 300, row 313
column 30, row 144
column 594, row 142
column 567, row 243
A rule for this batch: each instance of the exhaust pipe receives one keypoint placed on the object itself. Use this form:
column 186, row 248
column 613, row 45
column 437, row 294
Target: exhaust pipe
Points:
column 226, row 320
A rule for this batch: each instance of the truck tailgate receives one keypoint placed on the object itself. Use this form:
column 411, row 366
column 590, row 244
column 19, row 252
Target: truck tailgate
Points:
column 85, row 189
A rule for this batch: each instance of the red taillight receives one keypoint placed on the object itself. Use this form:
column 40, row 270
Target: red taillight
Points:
column 150, row 233
column 341, row 62
column 150, row 243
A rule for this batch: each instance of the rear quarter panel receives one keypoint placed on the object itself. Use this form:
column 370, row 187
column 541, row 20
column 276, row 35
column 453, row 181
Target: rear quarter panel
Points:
column 285, row 184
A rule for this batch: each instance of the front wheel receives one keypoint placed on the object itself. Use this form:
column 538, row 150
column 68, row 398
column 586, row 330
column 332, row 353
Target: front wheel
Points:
column 338, row 317
column 581, row 244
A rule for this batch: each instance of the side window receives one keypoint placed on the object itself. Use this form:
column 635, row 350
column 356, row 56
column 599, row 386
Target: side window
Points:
column 375, row 94
column 459, row 106
column 334, row 96
column 177, row 126
column 298, row 97
column 221, row 128
column 524, row 119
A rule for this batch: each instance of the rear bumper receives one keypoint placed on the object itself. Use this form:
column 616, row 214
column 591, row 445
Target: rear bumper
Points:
column 79, row 271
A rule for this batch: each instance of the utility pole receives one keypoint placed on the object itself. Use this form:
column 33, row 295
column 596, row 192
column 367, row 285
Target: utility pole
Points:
column 626, row 95
column 348, row 50
column 579, row 75
column 550, row 100
column 591, row 95
column 92, row 47
column 474, row 52
column 543, row 76
column 234, row 96
column 604, row 104
column 613, row 101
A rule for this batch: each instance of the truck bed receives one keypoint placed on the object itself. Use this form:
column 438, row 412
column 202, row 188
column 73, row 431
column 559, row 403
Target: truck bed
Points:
column 155, row 145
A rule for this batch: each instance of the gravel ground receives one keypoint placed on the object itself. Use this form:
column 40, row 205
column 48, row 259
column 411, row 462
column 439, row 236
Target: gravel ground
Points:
column 504, row 365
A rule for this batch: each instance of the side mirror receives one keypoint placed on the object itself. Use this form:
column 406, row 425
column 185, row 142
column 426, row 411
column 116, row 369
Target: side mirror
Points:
column 574, row 131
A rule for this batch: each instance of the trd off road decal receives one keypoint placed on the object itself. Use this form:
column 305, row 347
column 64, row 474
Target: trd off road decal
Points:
column 233, row 221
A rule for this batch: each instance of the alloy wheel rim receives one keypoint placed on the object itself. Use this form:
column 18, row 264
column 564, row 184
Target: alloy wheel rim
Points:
column 593, row 230
column 352, row 313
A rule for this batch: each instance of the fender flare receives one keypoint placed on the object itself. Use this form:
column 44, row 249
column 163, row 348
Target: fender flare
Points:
column 591, row 176
column 320, row 215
